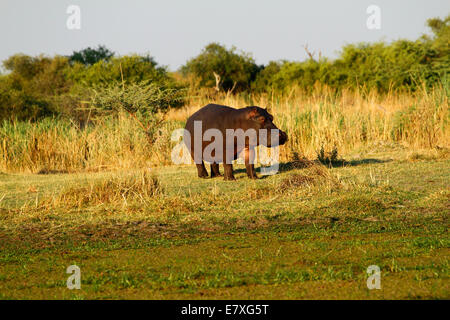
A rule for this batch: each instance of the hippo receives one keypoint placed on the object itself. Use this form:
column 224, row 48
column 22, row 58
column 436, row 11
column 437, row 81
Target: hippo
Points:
column 219, row 134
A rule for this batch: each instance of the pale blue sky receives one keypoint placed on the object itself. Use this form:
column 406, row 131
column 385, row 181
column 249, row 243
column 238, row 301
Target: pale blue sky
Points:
column 173, row 31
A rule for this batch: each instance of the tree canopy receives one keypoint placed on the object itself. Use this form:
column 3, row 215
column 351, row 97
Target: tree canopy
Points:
column 236, row 70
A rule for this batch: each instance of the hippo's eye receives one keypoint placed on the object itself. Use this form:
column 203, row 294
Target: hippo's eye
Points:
column 262, row 119
column 268, row 119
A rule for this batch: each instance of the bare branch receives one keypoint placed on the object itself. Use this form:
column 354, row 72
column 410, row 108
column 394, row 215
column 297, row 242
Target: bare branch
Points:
column 231, row 90
column 309, row 53
column 217, row 88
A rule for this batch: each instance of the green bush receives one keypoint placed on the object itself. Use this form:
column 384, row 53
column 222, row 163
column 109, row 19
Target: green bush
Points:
column 146, row 102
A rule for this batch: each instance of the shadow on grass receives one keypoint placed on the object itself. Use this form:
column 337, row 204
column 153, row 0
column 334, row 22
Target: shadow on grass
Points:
column 304, row 163
column 362, row 161
column 291, row 165
column 243, row 170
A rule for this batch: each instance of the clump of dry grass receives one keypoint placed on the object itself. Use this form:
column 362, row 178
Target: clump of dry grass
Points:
column 116, row 189
column 314, row 174
column 430, row 154
column 296, row 180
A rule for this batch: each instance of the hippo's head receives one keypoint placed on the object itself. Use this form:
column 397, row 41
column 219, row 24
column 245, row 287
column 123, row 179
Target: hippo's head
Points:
column 261, row 119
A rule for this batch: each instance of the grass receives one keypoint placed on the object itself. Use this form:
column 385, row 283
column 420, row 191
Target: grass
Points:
column 320, row 122
column 310, row 231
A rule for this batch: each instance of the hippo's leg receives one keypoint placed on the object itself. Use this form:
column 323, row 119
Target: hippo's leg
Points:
column 249, row 157
column 215, row 170
column 228, row 172
column 251, row 173
column 201, row 170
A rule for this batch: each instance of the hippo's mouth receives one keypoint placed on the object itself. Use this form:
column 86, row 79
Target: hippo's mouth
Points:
column 283, row 138
column 270, row 143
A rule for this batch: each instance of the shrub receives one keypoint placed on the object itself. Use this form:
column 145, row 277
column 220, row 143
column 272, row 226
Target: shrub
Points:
column 42, row 86
column 145, row 102
column 329, row 158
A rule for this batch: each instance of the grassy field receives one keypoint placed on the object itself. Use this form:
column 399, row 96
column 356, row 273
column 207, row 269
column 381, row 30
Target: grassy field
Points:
column 307, row 232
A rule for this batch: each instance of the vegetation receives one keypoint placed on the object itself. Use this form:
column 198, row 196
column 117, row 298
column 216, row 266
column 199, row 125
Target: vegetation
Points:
column 41, row 86
column 223, row 69
column 307, row 232
column 36, row 87
column 30, row 90
column 144, row 102
column 85, row 144
column 401, row 65
column 90, row 56
column 348, row 121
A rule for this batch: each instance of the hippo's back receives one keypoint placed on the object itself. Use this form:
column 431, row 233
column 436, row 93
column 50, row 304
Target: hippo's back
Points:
column 211, row 116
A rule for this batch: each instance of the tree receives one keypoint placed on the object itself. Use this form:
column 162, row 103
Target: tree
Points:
column 440, row 28
column 264, row 79
column 90, row 56
column 131, row 69
column 30, row 90
column 217, row 66
column 441, row 44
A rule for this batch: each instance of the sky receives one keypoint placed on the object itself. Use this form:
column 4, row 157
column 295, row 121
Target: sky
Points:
column 173, row 31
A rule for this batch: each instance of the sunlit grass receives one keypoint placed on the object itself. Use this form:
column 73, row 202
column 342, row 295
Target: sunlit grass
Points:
column 310, row 231
column 344, row 121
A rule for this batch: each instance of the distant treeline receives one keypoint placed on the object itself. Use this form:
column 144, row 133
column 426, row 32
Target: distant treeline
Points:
column 402, row 64
column 34, row 87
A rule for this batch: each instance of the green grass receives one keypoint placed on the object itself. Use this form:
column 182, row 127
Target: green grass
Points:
column 282, row 237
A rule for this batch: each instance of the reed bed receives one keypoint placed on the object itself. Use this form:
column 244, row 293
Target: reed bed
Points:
column 321, row 118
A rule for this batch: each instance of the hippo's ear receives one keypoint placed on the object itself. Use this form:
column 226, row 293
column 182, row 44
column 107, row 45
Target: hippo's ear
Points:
column 252, row 113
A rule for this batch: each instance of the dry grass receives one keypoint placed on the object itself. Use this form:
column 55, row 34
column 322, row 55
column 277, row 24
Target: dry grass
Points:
column 313, row 174
column 348, row 121
column 115, row 190
column 60, row 146
column 429, row 154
